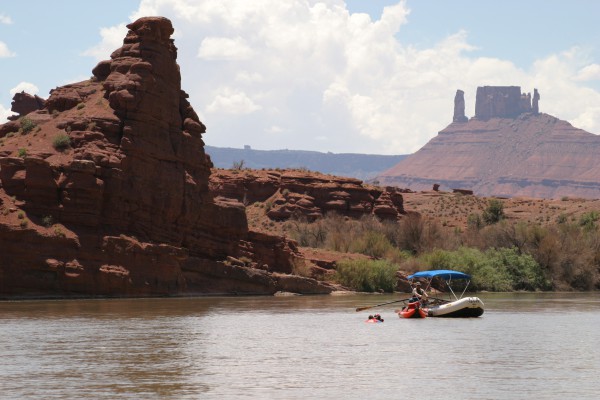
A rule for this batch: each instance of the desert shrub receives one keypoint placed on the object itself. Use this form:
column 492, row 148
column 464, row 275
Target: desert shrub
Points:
column 371, row 243
column 308, row 234
column 411, row 231
column 474, row 221
column 61, row 141
column 48, row 221
column 561, row 219
column 27, row 125
column 494, row 212
column 80, row 106
column 238, row 165
column 367, row 275
column 302, row 268
column 503, row 234
column 22, row 153
column 589, row 219
column 415, row 235
column 58, row 232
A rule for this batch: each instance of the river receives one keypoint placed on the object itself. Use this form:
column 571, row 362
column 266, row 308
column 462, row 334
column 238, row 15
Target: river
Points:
column 525, row 346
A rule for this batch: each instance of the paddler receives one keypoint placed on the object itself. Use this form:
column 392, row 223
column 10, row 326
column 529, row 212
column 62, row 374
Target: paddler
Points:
column 418, row 293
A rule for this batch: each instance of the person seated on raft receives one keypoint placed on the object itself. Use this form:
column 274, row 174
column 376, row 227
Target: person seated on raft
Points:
column 378, row 317
column 418, row 293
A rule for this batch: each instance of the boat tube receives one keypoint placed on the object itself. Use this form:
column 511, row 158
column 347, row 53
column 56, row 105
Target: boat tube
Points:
column 413, row 310
column 467, row 307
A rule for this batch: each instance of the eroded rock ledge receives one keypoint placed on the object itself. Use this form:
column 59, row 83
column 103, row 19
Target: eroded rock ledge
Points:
column 105, row 192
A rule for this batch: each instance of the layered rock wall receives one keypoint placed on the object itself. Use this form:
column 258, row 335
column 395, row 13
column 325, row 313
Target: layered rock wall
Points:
column 307, row 195
column 503, row 102
column 108, row 194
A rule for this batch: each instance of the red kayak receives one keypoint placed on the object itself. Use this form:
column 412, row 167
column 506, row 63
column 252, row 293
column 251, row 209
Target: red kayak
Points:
column 413, row 310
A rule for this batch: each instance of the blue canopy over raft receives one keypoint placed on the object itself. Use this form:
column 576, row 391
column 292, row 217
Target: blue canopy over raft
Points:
column 446, row 274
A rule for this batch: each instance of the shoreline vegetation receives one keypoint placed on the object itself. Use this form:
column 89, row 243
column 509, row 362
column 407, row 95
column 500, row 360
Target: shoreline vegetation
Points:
column 501, row 255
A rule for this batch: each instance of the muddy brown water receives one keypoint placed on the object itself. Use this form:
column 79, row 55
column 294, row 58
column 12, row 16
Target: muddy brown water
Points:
column 525, row 346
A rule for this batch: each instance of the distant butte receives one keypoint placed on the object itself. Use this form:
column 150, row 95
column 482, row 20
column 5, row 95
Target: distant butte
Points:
column 507, row 149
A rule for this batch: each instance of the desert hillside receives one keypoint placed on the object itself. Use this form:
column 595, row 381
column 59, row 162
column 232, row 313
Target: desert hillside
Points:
column 507, row 149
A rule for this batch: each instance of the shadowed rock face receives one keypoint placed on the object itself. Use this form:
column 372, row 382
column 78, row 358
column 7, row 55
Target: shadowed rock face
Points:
column 459, row 107
column 530, row 154
column 125, row 209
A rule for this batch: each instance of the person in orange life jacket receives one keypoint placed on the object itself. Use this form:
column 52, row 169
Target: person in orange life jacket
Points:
column 418, row 293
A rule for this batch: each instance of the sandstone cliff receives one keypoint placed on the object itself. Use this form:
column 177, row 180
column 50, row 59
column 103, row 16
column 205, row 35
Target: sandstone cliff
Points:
column 307, row 195
column 104, row 191
column 508, row 149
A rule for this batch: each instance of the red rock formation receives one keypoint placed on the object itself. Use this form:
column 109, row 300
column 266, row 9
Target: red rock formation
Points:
column 501, row 102
column 24, row 103
column 124, row 209
column 459, row 107
column 536, row 100
column 307, row 194
column 531, row 155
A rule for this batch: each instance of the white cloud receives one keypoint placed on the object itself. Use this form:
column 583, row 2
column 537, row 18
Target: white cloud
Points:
column 5, row 19
column 112, row 39
column 4, row 114
column 26, row 87
column 231, row 101
column 5, row 51
column 221, row 48
column 589, row 72
column 274, row 130
column 321, row 72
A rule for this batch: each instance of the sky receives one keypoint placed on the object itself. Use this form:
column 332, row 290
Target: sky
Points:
column 354, row 76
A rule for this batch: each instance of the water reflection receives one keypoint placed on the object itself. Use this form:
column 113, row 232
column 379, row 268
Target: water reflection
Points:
column 525, row 346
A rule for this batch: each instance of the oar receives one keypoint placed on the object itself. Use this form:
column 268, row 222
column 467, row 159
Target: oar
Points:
column 377, row 305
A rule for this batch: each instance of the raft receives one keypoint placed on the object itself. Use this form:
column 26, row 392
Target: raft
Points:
column 413, row 310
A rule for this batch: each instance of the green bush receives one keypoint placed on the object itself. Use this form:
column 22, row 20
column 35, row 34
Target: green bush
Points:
column 494, row 212
column 22, row 153
column 48, row 221
column 497, row 270
column 371, row 243
column 367, row 275
column 27, row 125
column 589, row 219
column 523, row 271
column 61, row 141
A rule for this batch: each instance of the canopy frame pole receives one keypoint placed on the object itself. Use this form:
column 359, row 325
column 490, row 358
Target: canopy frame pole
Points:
column 428, row 284
column 450, row 287
column 466, row 286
